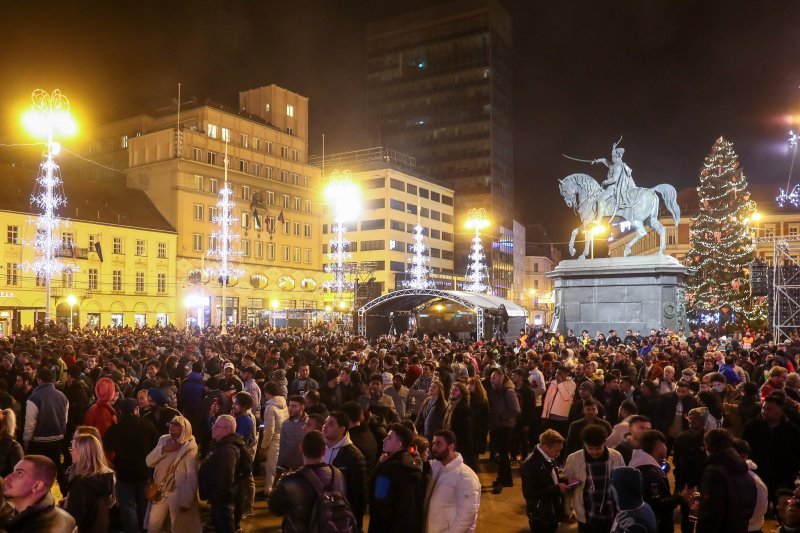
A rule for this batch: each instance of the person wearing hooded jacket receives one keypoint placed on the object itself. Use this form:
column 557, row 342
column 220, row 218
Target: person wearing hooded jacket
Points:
column 101, row 414
column 656, row 493
column 275, row 413
column 344, row 455
column 175, row 464
column 634, row 515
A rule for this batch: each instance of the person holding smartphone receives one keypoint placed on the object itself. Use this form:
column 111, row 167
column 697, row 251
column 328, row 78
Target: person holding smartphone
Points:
column 541, row 486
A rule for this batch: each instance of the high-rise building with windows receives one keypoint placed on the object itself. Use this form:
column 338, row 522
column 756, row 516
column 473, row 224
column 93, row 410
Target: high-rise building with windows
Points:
column 439, row 89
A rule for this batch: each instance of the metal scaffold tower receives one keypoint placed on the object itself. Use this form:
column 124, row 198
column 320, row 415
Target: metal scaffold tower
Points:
column 785, row 291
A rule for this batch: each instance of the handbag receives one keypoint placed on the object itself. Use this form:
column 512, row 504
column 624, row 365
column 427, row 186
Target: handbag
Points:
column 154, row 492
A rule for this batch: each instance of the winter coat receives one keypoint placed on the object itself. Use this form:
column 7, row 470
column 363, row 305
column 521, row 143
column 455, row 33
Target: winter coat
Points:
column 558, row 398
column 544, row 502
column 89, row 500
column 10, row 454
column 480, row 424
column 728, row 494
column 289, row 455
column 365, row 441
column 459, row 422
column 351, row 462
column 42, row 516
column 294, row 497
column 634, row 515
column 665, row 411
column 430, row 418
column 274, row 416
column 190, row 399
column 102, row 416
column 217, row 480
column 504, row 406
column 127, row 444
column 655, row 489
column 182, row 490
column 774, row 450
column 397, row 494
column 574, row 442
column 689, row 459
column 575, row 467
column 453, row 497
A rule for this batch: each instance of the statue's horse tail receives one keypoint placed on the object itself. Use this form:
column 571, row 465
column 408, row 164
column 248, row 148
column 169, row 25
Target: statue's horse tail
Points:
column 670, row 198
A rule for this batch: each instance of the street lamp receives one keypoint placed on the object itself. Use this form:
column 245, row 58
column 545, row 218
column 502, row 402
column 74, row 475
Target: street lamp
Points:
column 595, row 231
column 48, row 118
column 476, row 219
column 345, row 199
column 71, row 300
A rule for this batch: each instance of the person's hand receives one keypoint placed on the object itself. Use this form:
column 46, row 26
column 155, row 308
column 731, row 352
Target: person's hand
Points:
column 171, row 446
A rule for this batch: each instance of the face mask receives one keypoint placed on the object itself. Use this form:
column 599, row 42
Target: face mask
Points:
column 719, row 387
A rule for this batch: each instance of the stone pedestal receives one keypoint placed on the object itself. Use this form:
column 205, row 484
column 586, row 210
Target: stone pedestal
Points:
column 638, row 293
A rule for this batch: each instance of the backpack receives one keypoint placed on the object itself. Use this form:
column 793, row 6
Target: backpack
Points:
column 332, row 512
column 244, row 464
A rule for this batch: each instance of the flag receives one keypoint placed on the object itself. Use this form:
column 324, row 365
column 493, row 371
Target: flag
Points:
column 280, row 217
column 98, row 250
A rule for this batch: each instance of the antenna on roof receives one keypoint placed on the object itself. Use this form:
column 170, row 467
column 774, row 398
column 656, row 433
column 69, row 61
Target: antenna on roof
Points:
column 179, row 137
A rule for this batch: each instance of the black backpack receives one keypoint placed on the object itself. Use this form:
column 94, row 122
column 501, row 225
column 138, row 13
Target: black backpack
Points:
column 332, row 512
column 244, row 464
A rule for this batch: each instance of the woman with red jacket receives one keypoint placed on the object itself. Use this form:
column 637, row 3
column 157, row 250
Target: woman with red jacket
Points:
column 101, row 414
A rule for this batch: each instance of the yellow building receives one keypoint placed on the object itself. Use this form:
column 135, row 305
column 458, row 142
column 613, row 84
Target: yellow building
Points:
column 133, row 283
column 394, row 200
column 277, row 195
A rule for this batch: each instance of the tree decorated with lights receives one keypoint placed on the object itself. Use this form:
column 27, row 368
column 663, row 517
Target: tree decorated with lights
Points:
column 419, row 262
column 721, row 242
column 476, row 269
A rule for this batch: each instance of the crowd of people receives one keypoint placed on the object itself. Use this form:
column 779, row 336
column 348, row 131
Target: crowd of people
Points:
column 618, row 434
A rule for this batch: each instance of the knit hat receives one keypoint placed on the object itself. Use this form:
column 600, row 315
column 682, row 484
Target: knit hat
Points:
column 105, row 389
column 157, row 395
column 702, row 412
column 127, row 406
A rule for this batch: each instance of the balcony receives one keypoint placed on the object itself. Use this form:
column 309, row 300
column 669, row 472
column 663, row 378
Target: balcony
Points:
column 67, row 251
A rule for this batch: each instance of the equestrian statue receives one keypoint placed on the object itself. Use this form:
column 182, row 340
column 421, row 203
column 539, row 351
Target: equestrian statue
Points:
column 617, row 198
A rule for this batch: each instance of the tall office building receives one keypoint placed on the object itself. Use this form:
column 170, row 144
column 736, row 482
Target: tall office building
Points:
column 439, row 83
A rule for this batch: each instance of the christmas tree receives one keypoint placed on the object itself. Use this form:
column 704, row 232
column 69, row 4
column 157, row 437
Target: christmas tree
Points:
column 721, row 242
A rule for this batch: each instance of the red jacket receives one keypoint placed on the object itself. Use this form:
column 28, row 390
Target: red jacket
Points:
column 102, row 416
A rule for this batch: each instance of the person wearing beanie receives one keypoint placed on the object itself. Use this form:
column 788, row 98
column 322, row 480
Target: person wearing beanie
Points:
column 633, row 515
column 160, row 414
column 101, row 414
column 331, row 393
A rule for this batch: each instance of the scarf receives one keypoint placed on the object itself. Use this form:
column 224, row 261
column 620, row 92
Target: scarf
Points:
column 449, row 413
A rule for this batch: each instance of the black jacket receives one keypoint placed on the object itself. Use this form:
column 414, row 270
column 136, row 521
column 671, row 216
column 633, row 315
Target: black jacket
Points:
column 461, row 425
column 665, row 411
column 689, row 458
column 655, row 491
column 88, row 502
column 480, row 424
column 352, row 464
column 364, row 440
column 10, row 454
column 42, row 516
column 217, row 478
column 728, row 494
column 127, row 443
column 774, row 450
column 397, row 495
column 574, row 441
column 294, row 496
column 543, row 499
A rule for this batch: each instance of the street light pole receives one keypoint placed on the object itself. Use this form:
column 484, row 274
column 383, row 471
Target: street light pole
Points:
column 71, row 301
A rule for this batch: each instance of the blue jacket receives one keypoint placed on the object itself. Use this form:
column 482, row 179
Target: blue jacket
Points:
column 191, row 395
column 45, row 415
column 730, row 375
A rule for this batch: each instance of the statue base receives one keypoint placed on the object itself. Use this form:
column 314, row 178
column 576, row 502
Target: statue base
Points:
column 639, row 293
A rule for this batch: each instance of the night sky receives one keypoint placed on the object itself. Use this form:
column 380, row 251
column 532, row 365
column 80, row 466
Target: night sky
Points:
column 669, row 76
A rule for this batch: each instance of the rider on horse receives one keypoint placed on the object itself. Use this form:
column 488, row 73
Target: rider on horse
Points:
column 619, row 186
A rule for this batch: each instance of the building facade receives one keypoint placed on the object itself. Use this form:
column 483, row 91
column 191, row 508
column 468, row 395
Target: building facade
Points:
column 119, row 251
column 395, row 198
column 538, row 288
column 439, row 89
column 177, row 159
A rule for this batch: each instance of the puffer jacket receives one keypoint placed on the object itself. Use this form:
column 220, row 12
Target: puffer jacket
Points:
column 453, row 498
column 184, row 487
column 504, row 406
column 275, row 414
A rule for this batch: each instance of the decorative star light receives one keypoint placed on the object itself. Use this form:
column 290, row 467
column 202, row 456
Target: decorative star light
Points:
column 791, row 197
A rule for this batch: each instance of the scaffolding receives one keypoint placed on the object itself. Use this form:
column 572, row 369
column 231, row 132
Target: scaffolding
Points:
column 784, row 292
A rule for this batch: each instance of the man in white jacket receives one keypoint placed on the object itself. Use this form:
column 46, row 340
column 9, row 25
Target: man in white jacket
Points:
column 275, row 414
column 454, row 491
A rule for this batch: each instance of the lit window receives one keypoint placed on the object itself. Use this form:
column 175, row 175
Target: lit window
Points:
column 212, row 130
column 226, row 135
column 289, row 110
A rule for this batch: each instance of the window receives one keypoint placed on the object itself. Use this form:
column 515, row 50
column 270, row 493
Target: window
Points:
column 256, row 144
column 117, row 320
column 213, row 242
column 295, row 179
column 307, row 206
column 211, row 157
column 536, row 267
column 245, row 192
column 269, row 172
column 213, row 186
column 286, row 201
column 212, row 213
column 375, row 203
column 447, row 254
column 397, row 204
column 435, row 215
column 411, row 189
column 246, row 247
column 397, row 184
column 285, row 152
column 123, row 141
column 306, row 182
column 297, row 203
column 271, row 224
column 245, row 220
column 296, row 226
column 295, row 155
column 242, row 165
column 197, row 154
column 447, row 236
column 226, row 135
column 285, row 249
column 162, row 250
column 396, row 246
column 270, row 198
column 307, row 255
column 212, row 130
column 256, row 169
column 411, row 208
column 373, row 224
column 368, row 246
column 259, row 250
column 375, row 183
column 793, row 230
column 447, row 200
column 67, row 239
column 245, row 139
column 11, row 274
column 12, row 234
column 436, row 252
column 285, row 176
column 92, row 240
column 197, row 242
column 424, row 212
column 397, row 266
column 306, row 230
column 536, row 284
column 198, row 182
column 161, row 284
column 435, row 234
column 397, row 225
column 40, row 281
column 289, row 110
column 424, row 193
column 140, row 282
column 117, row 249
column 269, row 147
column 94, row 277
column 116, row 280
column 296, row 254
column 447, row 218
column 271, row 251
column 140, row 247
column 286, row 227
column 290, row 130
column 66, row 279
column 435, row 196
column 769, row 231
